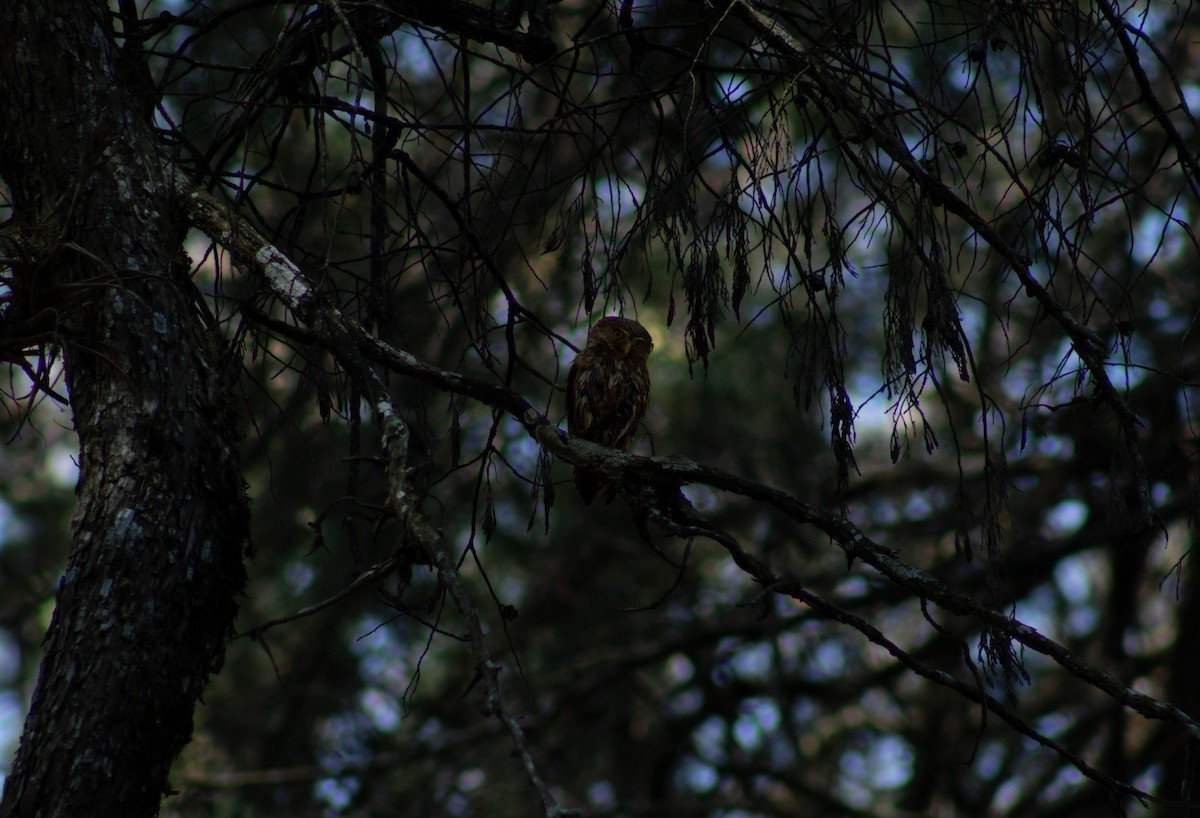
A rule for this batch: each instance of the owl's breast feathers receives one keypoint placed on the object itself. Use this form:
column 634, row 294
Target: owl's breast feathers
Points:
column 606, row 400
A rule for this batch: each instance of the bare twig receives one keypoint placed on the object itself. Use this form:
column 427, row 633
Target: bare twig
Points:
column 380, row 569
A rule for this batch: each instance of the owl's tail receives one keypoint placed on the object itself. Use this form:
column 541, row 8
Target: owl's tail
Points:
column 587, row 483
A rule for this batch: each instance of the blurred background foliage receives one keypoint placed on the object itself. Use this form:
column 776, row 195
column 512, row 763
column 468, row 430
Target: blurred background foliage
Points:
column 823, row 324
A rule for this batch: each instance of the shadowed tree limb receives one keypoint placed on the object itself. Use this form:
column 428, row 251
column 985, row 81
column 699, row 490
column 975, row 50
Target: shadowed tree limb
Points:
column 1087, row 344
column 349, row 343
column 330, row 326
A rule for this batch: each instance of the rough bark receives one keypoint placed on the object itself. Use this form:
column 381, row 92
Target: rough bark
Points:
column 149, row 594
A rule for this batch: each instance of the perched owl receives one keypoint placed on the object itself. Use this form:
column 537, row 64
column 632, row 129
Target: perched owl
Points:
column 608, row 388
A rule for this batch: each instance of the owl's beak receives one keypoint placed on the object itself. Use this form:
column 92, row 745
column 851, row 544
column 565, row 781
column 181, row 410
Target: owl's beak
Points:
column 625, row 347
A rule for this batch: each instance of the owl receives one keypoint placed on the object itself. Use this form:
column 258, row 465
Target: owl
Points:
column 608, row 388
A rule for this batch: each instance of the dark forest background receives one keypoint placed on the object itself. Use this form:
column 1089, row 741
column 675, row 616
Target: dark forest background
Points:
column 923, row 286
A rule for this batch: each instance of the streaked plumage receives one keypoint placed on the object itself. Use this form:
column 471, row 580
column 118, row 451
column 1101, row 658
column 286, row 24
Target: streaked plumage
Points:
column 608, row 388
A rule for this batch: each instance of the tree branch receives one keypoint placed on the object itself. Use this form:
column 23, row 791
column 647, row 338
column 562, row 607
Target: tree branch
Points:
column 351, row 345
column 336, row 331
column 1187, row 157
column 1086, row 343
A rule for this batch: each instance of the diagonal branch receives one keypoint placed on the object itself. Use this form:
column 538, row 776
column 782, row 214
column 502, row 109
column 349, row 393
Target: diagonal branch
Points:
column 1187, row 156
column 355, row 347
column 348, row 342
column 1086, row 343
column 489, row 25
column 971, row 692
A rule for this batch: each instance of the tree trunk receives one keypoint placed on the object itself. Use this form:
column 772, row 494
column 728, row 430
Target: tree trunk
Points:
column 149, row 594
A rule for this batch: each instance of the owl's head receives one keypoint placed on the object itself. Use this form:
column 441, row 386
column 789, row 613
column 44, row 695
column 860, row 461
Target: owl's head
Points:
column 622, row 337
